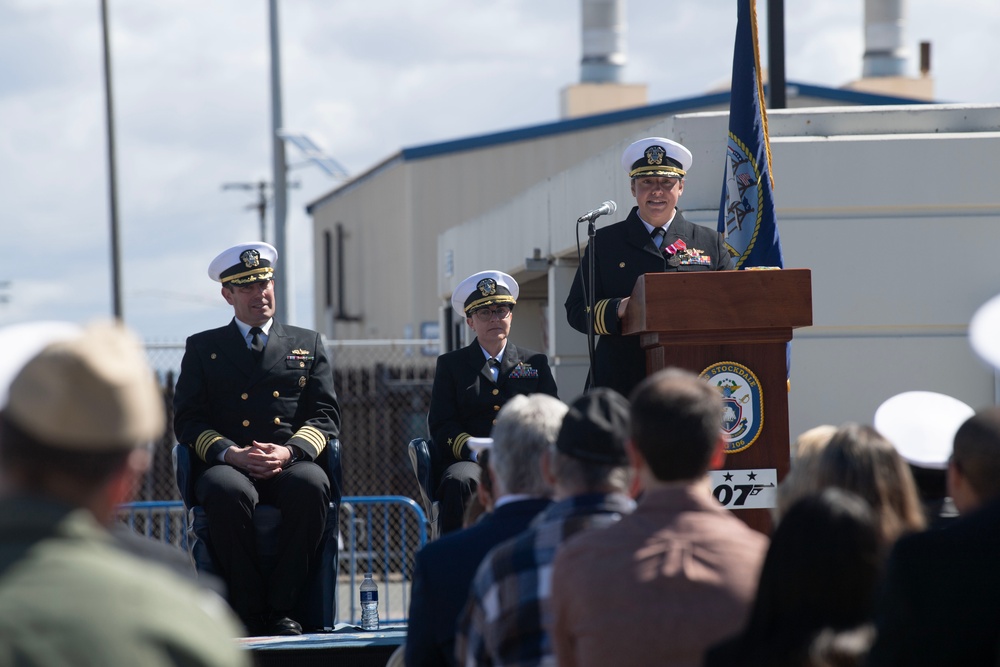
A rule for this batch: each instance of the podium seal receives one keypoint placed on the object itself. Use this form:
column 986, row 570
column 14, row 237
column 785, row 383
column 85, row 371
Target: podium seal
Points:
column 743, row 403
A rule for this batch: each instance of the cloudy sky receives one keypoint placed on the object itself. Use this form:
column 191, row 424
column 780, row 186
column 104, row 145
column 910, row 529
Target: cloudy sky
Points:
column 363, row 79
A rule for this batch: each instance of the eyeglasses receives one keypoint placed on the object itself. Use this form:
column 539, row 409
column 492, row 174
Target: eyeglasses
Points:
column 487, row 314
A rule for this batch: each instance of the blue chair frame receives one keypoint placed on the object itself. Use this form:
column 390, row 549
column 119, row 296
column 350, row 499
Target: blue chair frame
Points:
column 317, row 608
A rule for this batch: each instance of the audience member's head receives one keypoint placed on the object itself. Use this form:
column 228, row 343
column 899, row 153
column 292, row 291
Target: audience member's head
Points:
column 526, row 427
column 80, row 413
column 676, row 422
column 818, row 581
column 812, row 441
column 974, row 472
column 801, row 477
column 860, row 460
column 589, row 453
column 921, row 426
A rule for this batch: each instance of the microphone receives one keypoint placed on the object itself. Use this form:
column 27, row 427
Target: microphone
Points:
column 607, row 208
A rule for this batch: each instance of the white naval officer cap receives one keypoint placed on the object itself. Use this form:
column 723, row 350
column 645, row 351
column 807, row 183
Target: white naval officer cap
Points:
column 244, row 263
column 486, row 288
column 656, row 156
column 921, row 425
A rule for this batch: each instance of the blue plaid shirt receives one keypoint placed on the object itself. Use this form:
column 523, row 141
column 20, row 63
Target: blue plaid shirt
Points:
column 505, row 619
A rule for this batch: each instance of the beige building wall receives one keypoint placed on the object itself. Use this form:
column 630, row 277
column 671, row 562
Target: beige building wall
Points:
column 585, row 99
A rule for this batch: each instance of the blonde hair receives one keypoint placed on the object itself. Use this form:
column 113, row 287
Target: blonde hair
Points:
column 859, row 459
column 801, row 478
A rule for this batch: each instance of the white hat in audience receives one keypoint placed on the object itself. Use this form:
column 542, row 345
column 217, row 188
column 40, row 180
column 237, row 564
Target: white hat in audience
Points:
column 21, row 342
column 983, row 332
column 921, row 425
column 88, row 391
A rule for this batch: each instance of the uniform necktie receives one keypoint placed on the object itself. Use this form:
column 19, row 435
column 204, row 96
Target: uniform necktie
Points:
column 494, row 368
column 256, row 342
column 658, row 235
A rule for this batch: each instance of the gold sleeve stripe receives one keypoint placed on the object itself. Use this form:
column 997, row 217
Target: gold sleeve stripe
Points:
column 458, row 443
column 310, row 438
column 599, row 310
column 205, row 442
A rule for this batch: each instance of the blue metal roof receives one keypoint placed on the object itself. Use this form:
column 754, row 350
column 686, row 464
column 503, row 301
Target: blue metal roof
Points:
column 685, row 105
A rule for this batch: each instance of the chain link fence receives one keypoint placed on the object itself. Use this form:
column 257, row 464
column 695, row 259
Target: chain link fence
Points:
column 384, row 389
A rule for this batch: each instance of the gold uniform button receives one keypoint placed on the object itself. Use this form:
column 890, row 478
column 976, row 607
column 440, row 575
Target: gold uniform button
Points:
column 213, row 355
column 302, row 364
column 496, row 391
column 246, row 422
column 494, row 422
column 275, row 394
column 277, row 420
column 244, row 396
column 496, row 408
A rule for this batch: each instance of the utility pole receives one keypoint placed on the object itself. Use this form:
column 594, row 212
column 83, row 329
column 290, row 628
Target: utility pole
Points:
column 281, row 286
column 116, row 283
column 261, row 204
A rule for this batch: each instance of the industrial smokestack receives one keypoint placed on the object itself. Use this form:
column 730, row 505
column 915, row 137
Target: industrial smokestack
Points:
column 925, row 58
column 885, row 49
column 603, row 41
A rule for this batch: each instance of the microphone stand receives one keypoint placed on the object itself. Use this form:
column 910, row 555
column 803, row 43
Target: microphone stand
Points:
column 589, row 290
column 588, row 283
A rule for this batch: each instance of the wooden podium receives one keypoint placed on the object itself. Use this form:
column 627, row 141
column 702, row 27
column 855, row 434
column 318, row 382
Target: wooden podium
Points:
column 731, row 327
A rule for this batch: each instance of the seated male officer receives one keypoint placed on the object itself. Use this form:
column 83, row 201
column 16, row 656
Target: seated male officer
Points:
column 255, row 402
column 472, row 384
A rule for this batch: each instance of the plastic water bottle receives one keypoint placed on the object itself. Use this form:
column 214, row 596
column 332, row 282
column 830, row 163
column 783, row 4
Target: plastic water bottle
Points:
column 369, row 603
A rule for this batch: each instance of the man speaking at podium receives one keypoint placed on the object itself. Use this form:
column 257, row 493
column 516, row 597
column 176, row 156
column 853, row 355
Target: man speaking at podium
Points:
column 655, row 237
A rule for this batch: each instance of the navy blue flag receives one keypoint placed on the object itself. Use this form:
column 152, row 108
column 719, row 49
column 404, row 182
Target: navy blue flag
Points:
column 746, row 213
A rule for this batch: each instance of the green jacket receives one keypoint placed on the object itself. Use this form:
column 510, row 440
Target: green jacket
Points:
column 69, row 596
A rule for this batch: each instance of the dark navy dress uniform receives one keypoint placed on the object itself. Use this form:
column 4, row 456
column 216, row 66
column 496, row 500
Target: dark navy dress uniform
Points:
column 464, row 403
column 465, row 400
column 625, row 251
column 224, row 397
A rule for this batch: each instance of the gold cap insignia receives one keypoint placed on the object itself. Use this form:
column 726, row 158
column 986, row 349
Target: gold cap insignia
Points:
column 250, row 258
column 487, row 287
column 655, row 155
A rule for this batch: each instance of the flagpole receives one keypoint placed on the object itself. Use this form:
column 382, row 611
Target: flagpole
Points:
column 777, row 97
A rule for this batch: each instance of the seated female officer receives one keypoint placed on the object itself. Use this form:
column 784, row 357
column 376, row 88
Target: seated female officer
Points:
column 471, row 384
